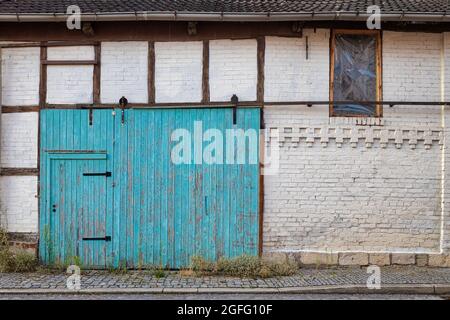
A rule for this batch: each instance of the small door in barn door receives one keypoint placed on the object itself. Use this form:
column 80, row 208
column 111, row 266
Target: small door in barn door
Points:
column 76, row 187
column 78, row 209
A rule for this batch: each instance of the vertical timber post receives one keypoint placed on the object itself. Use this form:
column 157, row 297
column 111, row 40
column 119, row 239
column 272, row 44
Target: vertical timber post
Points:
column 97, row 75
column 43, row 77
column 151, row 73
column 205, row 73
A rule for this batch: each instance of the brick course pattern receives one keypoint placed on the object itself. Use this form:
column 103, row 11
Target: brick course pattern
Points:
column 19, row 140
column 70, row 84
column 20, row 75
column 233, row 69
column 19, row 204
column 178, row 69
column 345, row 185
column 292, row 74
column 124, row 70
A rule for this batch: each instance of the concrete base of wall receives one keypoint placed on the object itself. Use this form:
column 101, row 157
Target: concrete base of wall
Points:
column 361, row 259
column 24, row 241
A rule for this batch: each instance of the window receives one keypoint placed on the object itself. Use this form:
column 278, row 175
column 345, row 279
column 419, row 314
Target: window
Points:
column 355, row 73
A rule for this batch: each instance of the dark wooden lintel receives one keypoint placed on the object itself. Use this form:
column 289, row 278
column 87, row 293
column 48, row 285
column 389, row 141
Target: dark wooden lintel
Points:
column 18, row 109
column 70, row 62
column 19, row 171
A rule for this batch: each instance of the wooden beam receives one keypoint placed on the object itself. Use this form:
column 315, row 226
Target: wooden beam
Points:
column 19, row 171
column 67, row 43
column 97, row 74
column 205, row 75
column 43, row 78
column 151, row 73
column 261, row 64
column 70, row 62
column 19, row 109
column 176, row 30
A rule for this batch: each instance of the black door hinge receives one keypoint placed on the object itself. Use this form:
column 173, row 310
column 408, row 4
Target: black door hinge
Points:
column 98, row 174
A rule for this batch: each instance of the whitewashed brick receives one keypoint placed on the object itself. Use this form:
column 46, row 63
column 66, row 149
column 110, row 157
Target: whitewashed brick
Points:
column 124, row 71
column 233, row 69
column 19, row 204
column 71, row 53
column 19, row 140
column 366, row 199
column 178, row 71
column 293, row 75
column 411, row 66
column 70, row 84
column 20, row 76
column 446, row 66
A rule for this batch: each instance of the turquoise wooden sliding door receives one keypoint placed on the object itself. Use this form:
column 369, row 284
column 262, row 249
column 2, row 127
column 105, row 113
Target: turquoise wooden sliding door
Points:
column 149, row 186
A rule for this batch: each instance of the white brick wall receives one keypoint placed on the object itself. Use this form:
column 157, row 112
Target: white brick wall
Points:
column 19, row 204
column 19, row 140
column 289, row 75
column 70, row 84
column 124, row 71
column 178, row 71
column 233, row 69
column 71, row 53
column 359, row 198
column 20, row 76
column 411, row 66
column 446, row 56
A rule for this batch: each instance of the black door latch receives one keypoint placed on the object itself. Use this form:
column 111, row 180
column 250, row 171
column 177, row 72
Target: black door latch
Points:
column 107, row 238
column 98, row 174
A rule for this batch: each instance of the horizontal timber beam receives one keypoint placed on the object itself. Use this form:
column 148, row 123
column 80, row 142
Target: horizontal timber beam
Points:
column 70, row 62
column 226, row 104
column 19, row 172
column 18, row 109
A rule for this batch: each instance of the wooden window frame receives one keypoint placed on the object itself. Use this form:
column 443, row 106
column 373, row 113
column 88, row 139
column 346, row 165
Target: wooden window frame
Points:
column 379, row 74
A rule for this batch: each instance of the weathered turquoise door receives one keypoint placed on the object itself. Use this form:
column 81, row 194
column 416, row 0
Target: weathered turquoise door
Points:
column 78, row 208
column 167, row 212
column 158, row 210
column 75, row 189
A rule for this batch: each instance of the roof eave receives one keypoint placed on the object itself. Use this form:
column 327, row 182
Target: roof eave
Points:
column 214, row 16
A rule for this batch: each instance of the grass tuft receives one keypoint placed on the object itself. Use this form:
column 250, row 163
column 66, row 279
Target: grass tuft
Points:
column 17, row 261
column 243, row 267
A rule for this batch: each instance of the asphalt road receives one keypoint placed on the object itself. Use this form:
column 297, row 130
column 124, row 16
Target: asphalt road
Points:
column 219, row 297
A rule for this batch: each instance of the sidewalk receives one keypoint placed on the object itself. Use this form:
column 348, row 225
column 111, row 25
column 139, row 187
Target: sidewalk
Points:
column 334, row 280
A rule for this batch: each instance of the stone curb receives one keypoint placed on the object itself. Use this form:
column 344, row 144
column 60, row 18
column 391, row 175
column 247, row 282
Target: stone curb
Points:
column 339, row 289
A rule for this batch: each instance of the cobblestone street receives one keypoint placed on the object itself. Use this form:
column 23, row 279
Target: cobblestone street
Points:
column 306, row 278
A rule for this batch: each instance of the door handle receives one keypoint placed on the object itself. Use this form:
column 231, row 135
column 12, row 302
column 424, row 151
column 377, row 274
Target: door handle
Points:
column 107, row 238
column 98, row 174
